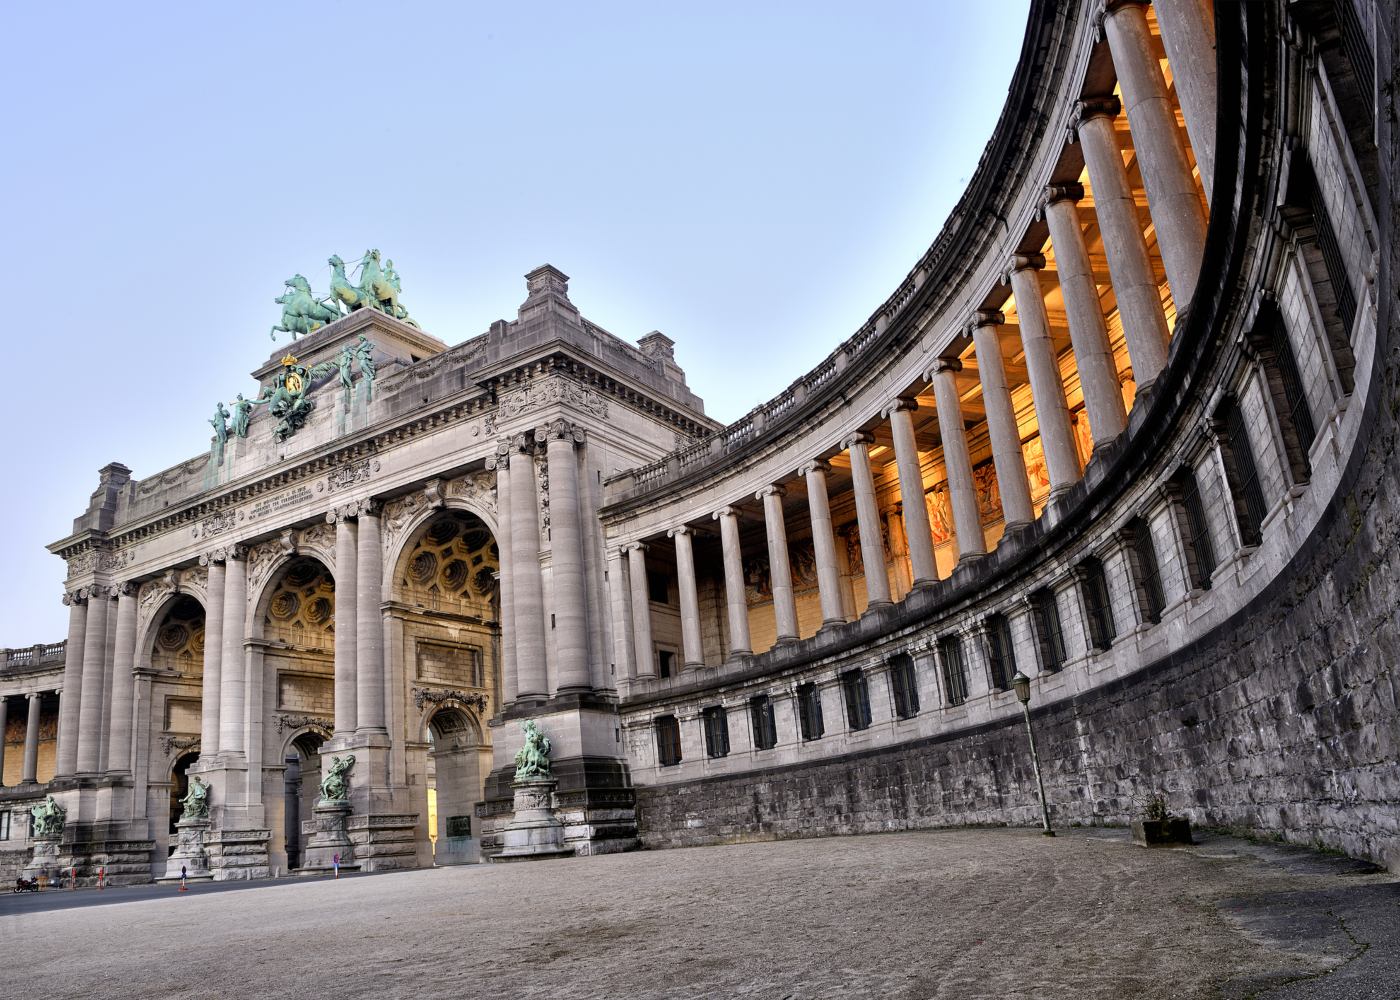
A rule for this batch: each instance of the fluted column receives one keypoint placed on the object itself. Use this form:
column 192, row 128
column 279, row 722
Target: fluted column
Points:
column 872, row 542
column 213, row 656
column 1088, row 331
column 531, row 670
column 1129, row 266
column 30, row 774
column 641, row 611
column 71, row 698
column 1172, row 197
column 94, row 682
column 692, row 651
column 566, row 549
column 1043, row 369
column 1007, row 457
column 779, row 567
column 1188, row 35
column 501, row 463
column 123, row 682
column 233, row 671
column 369, row 621
column 957, row 460
column 346, row 613
column 620, row 598
column 823, row 542
column 736, row 600
column 911, row 491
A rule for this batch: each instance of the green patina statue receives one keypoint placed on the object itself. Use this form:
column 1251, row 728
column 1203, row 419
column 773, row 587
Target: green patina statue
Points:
column 346, row 358
column 302, row 312
column 49, row 819
column 286, row 398
column 379, row 287
column 196, row 801
column 364, row 357
column 532, row 760
column 242, row 413
column 335, row 786
column 219, row 422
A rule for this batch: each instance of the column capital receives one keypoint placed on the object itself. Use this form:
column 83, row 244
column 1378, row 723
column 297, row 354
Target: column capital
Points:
column 559, row 430
column 859, row 437
column 727, row 511
column 1072, row 192
column 902, row 403
column 99, row 592
column 32, row 695
column 212, row 556
column 943, row 365
column 127, row 588
column 770, row 491
column 1111, row 7
column 815, row 465
column 72, row 597
column 368, row 507
column 1024, row 262
column 987, row 317
column 633, row 547
column 521, row 444
column 680, row 529
column 343, row 512
column 1106, row 106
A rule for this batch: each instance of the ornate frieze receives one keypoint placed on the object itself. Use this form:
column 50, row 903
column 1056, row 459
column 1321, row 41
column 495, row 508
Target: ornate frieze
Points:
column 217, row 523
column 172, row 745
column 350, row 474
column 287, row 721
column 553, row 389
column 437, row 696
column 478, row 487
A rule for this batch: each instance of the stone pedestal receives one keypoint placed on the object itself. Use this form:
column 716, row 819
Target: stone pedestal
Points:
column 331, row 838
column 535, row 833
column 44, row 861
column 189, row 853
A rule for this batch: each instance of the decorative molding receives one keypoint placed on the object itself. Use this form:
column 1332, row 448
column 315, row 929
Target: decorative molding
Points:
column 552, row 389
column 345, row 476
column 287, row 721
column 171, row 745
column 438, row 696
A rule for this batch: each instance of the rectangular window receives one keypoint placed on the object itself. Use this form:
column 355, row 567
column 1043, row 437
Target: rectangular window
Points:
column 716, row 721
column 668, row 740
column 1199, row 549
column 1332, row 259
column 765, row 726
column 665, row 662
column 954, row 669
column 1000, row 656
column 809, row 712
column 905, row 682
column 1240, row 458
column 1149, row 572
column 1096, row 604
column 1049, row 638
column 856, row 693
column 1296, row 417
column 4, row 824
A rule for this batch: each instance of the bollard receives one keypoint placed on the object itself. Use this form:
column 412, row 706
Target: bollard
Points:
column 102, row 877
column 73, row 877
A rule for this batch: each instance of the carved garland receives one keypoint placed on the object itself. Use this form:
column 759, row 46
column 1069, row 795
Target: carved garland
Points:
column 287, row 722
column 431, row 696
column 171, row 745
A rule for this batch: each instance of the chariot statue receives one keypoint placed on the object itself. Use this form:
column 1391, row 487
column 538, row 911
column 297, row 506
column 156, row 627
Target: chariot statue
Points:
column 335, row 786
column 532, row 760
column 378, row 288
column 49, row 819
column 196, row 801
column 302, row 312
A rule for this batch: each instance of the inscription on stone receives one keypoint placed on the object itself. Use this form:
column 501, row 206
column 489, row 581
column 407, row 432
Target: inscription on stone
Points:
column 280, row 502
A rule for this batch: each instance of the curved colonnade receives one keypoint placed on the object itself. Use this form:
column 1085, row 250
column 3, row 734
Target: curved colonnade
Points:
column 1106, row 434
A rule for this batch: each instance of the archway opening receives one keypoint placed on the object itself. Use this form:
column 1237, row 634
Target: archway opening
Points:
column 457, row 769
column 179, row 788
column 301, row 782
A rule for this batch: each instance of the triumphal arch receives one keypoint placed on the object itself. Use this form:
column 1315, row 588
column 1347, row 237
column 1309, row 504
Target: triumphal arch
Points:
column 1115, row 461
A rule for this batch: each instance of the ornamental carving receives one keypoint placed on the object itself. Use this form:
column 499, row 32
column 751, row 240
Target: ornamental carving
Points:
column 554, row 389
column 351, row 473
column 319, row 539
column 217, row 523
column 479, row 487
column 263, row 556
column 287, row 722
column 171, row 745
column 437, row 696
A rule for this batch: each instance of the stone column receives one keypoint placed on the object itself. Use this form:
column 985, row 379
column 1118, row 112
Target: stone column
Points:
column 30, row 773
column 4, row 720
column 1007, row 457
column 1043, row 369
column 911, row 491
column 1098, row 374
column 736, row 600
column 1129, row 266
column 1188, row 35
column 501, row 463
column 531, row 671
column 690, row 604
column 566, row 550
column 94, row 664
column 957, row 460
column 779, row 568
column 346, row 613
column 213, row 656
column 872, row 542
column 369, row 621
column 620, row 599
column 823, row 542
column 233, row 671
column 71, row 698
column 641, row 610
column 123, row 682
column 1172, row 197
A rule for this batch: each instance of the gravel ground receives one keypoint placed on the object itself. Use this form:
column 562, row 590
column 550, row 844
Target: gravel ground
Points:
column 938, row 914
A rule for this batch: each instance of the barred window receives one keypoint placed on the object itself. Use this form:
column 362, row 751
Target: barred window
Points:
column 809, row 712
column 1149, row 571
column 765, row 726
column 1102, row 631
column 668, row 740
column 1049, row 638
column 905, row 682
column 1246, row 485
column 4, row 824
column 1332, row 258
column 1296, row 415
column 1000, row 654
column 1199, row 549
column 855, row 691
column 716, row 721
column 954, row 669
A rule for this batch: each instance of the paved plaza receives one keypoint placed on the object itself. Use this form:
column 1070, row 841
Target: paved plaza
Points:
column 949, row 914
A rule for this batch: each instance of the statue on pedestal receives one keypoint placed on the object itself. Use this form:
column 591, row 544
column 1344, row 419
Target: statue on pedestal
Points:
column 196, row 801
column 49, row 819
column 364, row 357
column 335, row 786
column 532, row 760
column 242, row 413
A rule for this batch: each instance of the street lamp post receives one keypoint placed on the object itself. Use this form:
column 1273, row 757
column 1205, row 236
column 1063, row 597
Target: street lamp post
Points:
column 1022, row 685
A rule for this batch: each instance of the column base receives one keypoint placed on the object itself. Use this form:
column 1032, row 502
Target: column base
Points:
column 331, row 843
column 189, row 857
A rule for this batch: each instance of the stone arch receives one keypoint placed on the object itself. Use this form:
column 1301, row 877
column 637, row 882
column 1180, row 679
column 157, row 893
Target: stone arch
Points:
column 301, row 757
column 453, row 721
column 458, row 763
column 153, row 601
column 287, row 576
column 405, row 517
column 175, row 635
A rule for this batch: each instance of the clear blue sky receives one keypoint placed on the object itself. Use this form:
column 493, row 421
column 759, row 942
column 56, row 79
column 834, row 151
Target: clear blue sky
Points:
column 751, row 180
